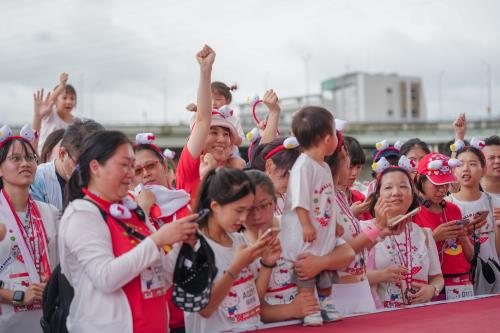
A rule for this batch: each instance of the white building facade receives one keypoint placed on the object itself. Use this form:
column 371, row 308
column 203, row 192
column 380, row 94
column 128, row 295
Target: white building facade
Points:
column 359, row 98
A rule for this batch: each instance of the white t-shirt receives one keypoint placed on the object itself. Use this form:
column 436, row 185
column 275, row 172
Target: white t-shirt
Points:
column 14, row 274
column 424, row 261
column 494, row 195
column 310, row 187
column 240, row 308
column 50, row 123
column 487, row 232
column 352, row 228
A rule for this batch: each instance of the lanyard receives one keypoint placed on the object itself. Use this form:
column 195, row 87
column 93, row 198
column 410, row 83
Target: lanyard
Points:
column 406, row 261
column 346, row 209
column 34, row 237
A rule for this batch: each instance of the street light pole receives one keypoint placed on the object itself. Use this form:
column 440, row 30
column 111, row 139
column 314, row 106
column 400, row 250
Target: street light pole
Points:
column 488, row 82
column 440, row 92
column 306, row 59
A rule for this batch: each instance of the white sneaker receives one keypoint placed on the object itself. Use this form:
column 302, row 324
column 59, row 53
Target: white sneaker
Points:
column 328, row 310
column 314, row 319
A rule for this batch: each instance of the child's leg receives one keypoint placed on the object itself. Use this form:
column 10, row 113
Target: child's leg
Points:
column 308, row 286
column 324, row 285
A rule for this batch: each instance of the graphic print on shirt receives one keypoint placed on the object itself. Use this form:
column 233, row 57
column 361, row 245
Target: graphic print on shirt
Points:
column 451, row 247
column 281, row 290
column 242, row 300
column 323, row 212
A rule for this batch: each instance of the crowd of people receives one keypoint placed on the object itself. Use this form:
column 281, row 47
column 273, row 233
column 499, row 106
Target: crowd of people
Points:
column 99, row 233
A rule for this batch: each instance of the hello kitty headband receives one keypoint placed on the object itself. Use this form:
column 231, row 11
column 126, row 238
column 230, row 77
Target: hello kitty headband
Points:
column 254, row 102
column 403, row 163
column 459, row 144
column 169, row 154
column 27, row 134
column 289, row 143
column 224, row 111
column 148, row 139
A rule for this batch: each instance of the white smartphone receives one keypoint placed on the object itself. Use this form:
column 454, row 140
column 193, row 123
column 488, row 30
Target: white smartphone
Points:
column 269, row 231
column 397, row 220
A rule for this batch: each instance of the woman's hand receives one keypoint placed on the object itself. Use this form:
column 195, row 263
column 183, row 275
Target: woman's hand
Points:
column 496, row 216
column 271, row 101
column 145, row 199
column 304, row 304
column 424, row 294
column 394, row 273
column 459, row 126
column 307, row 266
column 272, row 252
column 360, row 207
column 207, row 163
column 448, row 230
column 205, row 57
column 245, row 255
column 176, row 231
column 33, row 293
column 476, row 222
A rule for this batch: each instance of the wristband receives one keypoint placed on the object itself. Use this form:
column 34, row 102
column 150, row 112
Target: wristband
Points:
column 371, row 231
column 231, row 274
column 266, row 265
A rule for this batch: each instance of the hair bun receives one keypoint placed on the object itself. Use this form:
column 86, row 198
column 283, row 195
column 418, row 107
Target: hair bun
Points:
column 233, row 87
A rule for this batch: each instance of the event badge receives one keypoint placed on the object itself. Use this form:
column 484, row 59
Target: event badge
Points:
column 153, row 282
column 242, row 301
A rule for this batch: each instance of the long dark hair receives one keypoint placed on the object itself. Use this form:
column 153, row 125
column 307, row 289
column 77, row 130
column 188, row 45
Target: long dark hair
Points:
column 223, row 186
column 4, row 150
column 375, row 195
column 100, row 146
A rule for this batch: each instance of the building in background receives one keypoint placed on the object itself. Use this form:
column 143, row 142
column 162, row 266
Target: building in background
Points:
column 359, row 98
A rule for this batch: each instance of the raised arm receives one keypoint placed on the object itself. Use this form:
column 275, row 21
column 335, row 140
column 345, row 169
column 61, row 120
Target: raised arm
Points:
column 201, row 128
column 271, row 101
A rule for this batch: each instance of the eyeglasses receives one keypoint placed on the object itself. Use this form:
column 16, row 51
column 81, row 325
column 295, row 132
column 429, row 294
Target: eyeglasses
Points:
column 17, row 159
column 148, row 166
column 261, row 208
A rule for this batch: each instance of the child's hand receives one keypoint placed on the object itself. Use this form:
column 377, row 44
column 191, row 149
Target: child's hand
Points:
column 208, row 162
column 459, row 126
column 191, row 107
column 339, row 230
column 42, row 107
column 309, row 233
column 271, row 101
column 205, row 57
column 63, row 78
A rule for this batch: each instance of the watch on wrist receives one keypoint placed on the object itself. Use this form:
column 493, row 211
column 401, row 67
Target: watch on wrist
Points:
column 18, row 297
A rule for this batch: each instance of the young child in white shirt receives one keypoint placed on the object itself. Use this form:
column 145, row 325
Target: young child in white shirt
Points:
column 307, row 221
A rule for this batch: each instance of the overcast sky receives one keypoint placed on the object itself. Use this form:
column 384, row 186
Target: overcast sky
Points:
column 133, row 61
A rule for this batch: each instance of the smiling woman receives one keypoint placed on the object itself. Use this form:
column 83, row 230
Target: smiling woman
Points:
column 106, row 247
column 28, row 253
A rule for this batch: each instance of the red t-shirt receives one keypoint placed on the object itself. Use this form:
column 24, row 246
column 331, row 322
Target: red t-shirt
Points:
column 176, row 314
column 357, row 197
column 451, row 257
column 188, row 173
